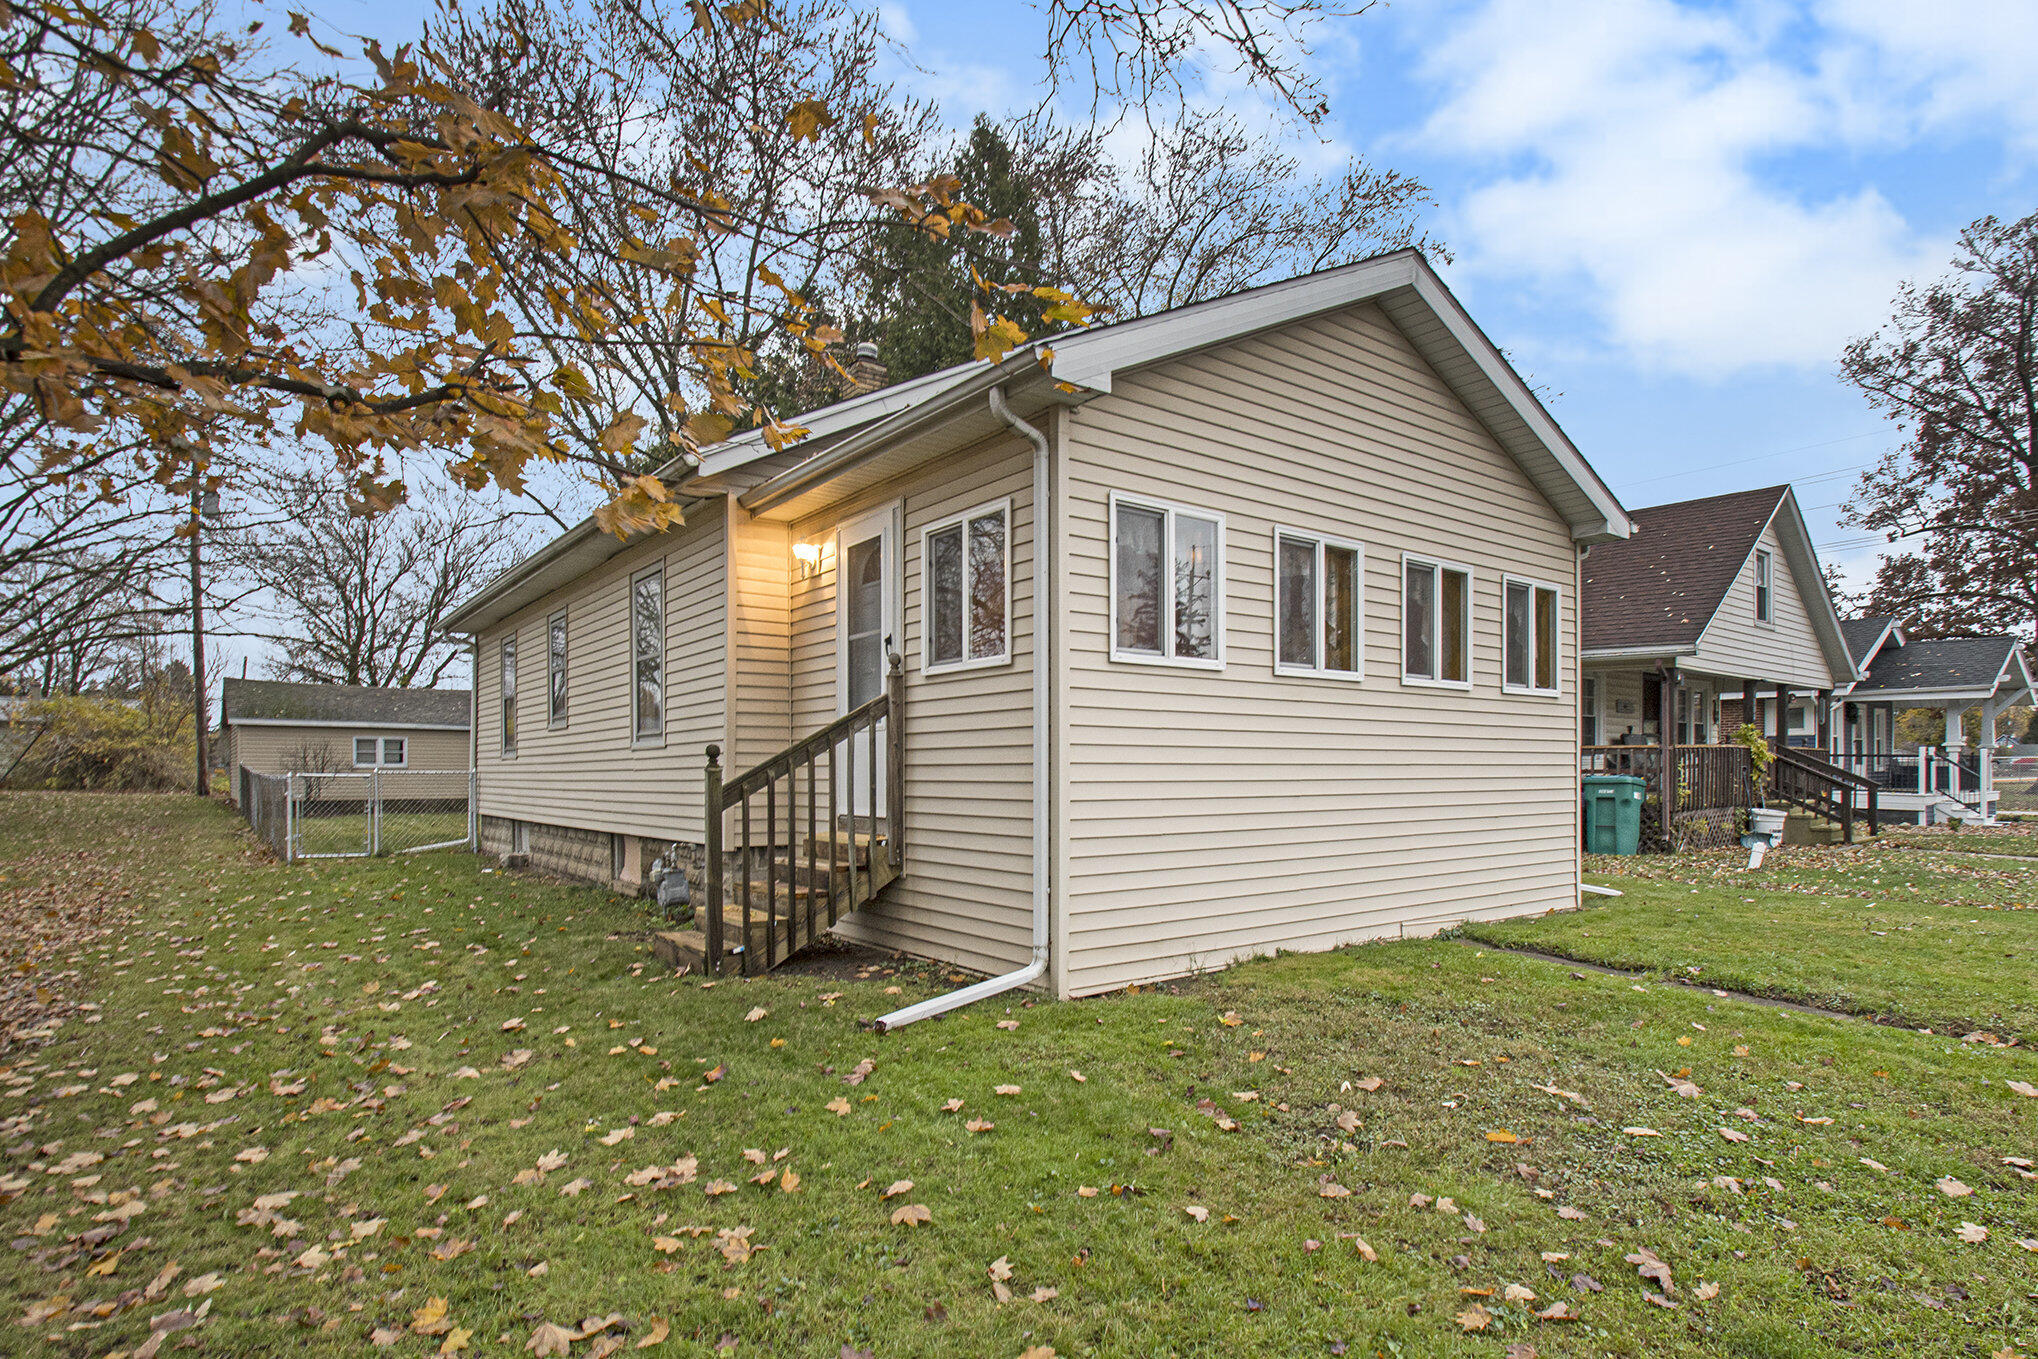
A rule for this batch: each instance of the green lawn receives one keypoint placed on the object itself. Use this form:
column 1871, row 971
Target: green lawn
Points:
column 2015, row 837
column 1945, row 941
column 401, row 831
column 455, row 1073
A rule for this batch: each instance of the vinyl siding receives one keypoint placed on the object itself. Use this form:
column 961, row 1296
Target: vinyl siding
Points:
column 760, row 709
column 588, row 773
column 1212, row 816
column 279, row 750
column 1734, row 644
column 966, row 893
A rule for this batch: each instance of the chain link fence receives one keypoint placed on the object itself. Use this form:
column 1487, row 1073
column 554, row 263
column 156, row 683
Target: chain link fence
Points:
column 355, row 815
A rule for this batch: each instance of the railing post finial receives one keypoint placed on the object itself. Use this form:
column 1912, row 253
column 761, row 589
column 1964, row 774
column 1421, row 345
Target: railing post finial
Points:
column 714, row 755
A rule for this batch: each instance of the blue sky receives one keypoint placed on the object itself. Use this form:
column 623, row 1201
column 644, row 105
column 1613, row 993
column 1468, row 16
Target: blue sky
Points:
column 1672, row 216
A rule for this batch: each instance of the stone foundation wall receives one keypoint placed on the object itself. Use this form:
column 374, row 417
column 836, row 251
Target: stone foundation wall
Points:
column 590, row 856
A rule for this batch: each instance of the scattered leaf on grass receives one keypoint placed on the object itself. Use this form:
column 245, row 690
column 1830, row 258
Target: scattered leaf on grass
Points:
column 912, row 1215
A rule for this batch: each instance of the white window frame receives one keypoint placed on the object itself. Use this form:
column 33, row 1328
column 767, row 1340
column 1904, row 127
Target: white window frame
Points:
column 382, row 747
column 1357, row 673
column 1765, row 587
column 640, row 739
column 1166, row 657
column 372, row 762
column 556, row 712
column 928, row 665
column 506, row 695
column 1531, row 689
column 1437, row 566
column 1591, row 693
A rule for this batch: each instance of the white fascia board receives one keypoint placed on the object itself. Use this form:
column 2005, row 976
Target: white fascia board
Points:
column 1092, row 359
column 1634, row 653
column 747, row 447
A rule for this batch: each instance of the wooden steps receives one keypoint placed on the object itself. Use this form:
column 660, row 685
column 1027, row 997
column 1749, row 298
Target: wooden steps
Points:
column 1802, row 828
column 797, row 904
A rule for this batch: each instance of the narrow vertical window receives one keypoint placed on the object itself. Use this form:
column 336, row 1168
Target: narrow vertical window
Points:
column 555, row 664
column 1765, row 582
column 1167, row 584
column 967, row 561
column 1436, row 623
column 1317, row 591
column 647, row 654
column 509, row 696
column 1529, row 632
column 1588, row 711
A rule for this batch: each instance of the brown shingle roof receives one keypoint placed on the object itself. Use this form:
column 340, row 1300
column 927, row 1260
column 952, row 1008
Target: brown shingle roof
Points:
column 1663, row 585
column 286, row 701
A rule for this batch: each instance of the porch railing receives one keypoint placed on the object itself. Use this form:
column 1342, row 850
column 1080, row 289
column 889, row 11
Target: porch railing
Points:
column 1682, row 782
column 787, row 884
column 1804, row 779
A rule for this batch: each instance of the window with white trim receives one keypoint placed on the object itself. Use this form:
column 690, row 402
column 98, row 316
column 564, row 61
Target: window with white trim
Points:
column 647, row 655
column 555, row 670
column 1436, row 623
column 1529, row 626
column 1588, row 710
column 395, row 752
column 509, row 695
column 1167, row 584
column 366, row 749
column 1318, row 616
column 1765, row 586
column 967, row 561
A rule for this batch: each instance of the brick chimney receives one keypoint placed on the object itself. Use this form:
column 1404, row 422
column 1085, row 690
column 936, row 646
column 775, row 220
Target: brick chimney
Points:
column 866, row 374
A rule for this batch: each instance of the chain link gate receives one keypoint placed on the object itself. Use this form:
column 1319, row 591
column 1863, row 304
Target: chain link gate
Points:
column 347, row 814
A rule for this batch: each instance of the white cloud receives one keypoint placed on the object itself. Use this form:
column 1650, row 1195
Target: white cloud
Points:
column 1631, row 151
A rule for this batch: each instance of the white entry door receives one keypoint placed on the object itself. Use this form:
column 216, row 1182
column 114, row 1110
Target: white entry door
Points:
column 866, row 631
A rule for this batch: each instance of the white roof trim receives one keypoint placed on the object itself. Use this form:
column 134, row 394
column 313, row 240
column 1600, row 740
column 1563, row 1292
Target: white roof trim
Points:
column 741, row 449
column 1093, row 358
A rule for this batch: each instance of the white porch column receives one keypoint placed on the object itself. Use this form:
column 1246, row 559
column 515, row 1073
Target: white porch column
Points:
column 1955, row 739
column 1986, row 756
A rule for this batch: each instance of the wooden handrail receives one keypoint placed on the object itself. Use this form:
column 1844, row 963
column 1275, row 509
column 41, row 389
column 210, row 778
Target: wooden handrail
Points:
column 825, row 880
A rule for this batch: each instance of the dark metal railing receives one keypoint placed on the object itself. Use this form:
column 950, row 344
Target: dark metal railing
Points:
column 821, row 767
column 1804, row 779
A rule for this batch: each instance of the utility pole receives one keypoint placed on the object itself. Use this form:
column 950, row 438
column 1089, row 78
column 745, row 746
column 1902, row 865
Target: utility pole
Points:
column 198, row 634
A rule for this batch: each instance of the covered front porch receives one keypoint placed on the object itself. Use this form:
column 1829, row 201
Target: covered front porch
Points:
column 1673, row 724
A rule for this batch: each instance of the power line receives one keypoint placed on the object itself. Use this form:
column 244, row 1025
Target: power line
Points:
column 1760, row 457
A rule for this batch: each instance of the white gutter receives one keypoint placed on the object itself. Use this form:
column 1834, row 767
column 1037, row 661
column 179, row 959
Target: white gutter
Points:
column 1043, row 650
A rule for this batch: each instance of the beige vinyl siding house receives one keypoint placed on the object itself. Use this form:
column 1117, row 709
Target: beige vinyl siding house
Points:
column 1077, row 811
column 283, row 727
column 1784, row 647
column 1214, row 814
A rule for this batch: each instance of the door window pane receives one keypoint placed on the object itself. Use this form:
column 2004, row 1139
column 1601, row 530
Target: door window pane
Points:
column 987, row 586
column 944, row 575
column 1297, row 587
column 1588, row 711
column 647, row 613
column 1137, row 604
column 1418, row 621
column 1452, row 628
column 1517, row 636
column 864, row 587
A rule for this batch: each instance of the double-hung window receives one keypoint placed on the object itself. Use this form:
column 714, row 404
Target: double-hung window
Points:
column 555, row 670
column 509, row 695
column 1529, row 641
column 1436, row 623
column 1765, row 586
column 647, row 655
column 1167, row 584
column 967, row 563
column 1317, row 611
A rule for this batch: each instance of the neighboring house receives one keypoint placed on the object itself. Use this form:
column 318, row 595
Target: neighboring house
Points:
column 1247, row 626
column 1713, row 613
column 1952, row 674
column 277, row 727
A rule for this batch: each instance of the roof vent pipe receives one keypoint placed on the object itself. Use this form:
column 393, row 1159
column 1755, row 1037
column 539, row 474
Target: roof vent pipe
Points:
column 1036, row 966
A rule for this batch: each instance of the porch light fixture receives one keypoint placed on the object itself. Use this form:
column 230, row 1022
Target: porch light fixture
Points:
column 809, row 557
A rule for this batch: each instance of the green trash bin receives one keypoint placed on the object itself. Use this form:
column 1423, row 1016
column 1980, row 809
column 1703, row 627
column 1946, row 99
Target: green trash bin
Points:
column 1613, row 813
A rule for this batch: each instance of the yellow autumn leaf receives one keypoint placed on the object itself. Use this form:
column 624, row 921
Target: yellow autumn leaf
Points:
column 809, row 118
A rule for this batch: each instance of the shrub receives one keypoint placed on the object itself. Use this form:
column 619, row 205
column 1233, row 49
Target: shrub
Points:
column 101, row 741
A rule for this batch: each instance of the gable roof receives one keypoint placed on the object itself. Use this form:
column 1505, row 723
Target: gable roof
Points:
column 870, row 437
column 1660, row 589
column 1949, row 666
column 1865, row 636
column 283, row 702
column 1662, row 585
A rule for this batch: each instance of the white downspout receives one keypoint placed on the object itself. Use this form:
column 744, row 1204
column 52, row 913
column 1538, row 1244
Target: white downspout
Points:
column 1043, row 651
